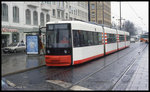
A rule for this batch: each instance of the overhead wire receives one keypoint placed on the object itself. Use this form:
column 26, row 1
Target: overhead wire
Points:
column 141, row 19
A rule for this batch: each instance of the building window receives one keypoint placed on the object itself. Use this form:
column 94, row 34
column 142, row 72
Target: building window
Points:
column 4, row 12
column 99, row 22
column 35, row 18
column 47, row 18
column 58, row 14
column 69, row 9
column 62, row 15
column 92, row 6
column 15, row 37
column 93, row 14
column 15, row 14
column 66, row 15
column 28, row 16
column 42, row 19
column 54, row 13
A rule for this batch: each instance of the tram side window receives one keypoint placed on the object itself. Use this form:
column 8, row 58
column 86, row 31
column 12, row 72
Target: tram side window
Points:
column 76, row 39
column 128, row 38
column 95, row 38
column 99, row 38
column 111, row 38
column 81, row 38
column 121, row 38
column 90, row 38
column 85, row 38
column 108, row 38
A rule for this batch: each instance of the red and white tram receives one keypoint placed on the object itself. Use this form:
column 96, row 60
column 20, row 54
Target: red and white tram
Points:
column 110, row 40
column 127, row 39
column 121, row 40
column 75, row 42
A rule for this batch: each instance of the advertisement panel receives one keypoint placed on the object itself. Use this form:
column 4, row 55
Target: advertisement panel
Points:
column 32, row 44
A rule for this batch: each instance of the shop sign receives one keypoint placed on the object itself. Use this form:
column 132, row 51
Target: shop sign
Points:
column 9, row 30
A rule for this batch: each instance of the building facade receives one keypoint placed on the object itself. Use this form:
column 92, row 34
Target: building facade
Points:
column 21, row 18
column 96, row 12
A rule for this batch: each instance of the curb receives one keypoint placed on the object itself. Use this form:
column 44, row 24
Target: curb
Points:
column 22, row 70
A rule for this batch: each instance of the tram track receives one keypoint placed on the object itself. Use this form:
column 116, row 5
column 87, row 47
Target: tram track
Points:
column 127, row 69
column 108, row 66
column 56, row 72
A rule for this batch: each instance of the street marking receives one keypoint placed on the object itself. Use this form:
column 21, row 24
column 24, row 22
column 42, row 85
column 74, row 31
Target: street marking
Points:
column 60, row 83
column 76, row 87
column 66, row 85
column 10, row 83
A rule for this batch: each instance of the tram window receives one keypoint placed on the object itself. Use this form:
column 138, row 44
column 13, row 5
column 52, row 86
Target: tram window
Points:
column 127, row 38
column 111, row 38
column 76, row 39
column 108, row 38
column 99, row 38
column 95, row 38
column 90, row 38
column 121, row 38
column 81, row 38
column 85, row 38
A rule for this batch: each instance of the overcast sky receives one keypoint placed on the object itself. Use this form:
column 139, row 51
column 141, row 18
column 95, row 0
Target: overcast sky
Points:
column 136, row 12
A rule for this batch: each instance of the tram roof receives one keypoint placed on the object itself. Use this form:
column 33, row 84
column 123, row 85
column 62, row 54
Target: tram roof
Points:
column 78, row 22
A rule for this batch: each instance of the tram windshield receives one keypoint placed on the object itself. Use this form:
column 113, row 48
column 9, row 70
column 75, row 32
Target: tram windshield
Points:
column 144, row 36
column 58, row 36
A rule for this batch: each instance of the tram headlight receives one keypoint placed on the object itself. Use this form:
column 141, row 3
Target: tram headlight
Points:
column 48, row 51
column 65, row 51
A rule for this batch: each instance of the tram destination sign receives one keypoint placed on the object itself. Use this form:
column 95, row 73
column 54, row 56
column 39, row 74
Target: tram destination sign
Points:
column 51, row 27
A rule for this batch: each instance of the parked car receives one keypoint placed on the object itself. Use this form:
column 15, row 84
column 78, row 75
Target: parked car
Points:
column 14, row 47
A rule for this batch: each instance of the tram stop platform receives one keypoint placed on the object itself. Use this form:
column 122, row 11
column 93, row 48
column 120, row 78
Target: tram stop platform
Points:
column 140, row 79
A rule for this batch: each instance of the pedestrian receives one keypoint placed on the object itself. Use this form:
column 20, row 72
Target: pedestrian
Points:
column 3, row 43
column 41, row 47
column 22, row 41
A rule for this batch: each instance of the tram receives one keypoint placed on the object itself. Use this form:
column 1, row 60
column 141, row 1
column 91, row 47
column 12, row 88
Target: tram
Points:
column 75, row 42
column 144, row 38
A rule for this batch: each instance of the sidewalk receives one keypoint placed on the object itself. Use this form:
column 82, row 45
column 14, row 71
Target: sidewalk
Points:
column 140, row 80
column 20, row 62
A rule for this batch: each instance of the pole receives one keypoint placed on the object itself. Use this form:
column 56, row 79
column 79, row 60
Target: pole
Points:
column 103, row 11
column 96, row 12
column 120, row 15
column 89, row 10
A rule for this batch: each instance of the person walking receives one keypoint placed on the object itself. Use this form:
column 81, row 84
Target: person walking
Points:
column 41, row 47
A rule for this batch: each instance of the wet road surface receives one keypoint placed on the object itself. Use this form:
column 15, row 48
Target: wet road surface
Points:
column 99, row 74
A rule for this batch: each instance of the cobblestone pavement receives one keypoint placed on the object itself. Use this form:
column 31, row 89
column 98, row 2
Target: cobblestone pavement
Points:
column 140, row 80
